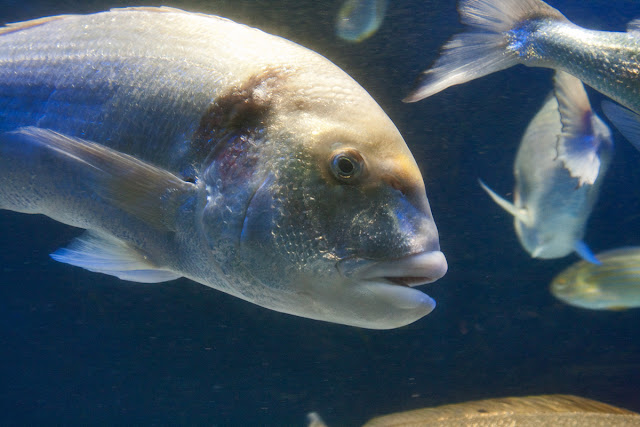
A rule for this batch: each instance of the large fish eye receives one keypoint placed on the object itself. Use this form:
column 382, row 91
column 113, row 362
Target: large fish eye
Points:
column 347, row 164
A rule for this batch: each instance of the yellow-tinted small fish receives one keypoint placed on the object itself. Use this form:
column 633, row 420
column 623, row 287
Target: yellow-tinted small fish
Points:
column 360, row 19
column 613, row 285
column 530, row 411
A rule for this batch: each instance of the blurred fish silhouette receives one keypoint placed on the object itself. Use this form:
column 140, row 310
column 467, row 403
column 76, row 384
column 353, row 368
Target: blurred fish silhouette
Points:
column 613, row 285
column 559, row 167
column 360, row 19
column 503, row 33
column 191, row 146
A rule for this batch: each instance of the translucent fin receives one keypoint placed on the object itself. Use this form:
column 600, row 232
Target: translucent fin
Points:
column 627, row 122
column 578, row 144
column 314, row 420
column 138, row 188
column 101, row 253
column 520, row 214
column 633, row 27
column 482, row 49
column 585, row 253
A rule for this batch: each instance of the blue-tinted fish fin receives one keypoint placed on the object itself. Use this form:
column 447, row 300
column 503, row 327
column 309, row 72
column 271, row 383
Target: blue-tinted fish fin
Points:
column 627, row 122
column 585, row 253
column 102, row 253
column 633, row 27
column 578, row 144
column 520, row 214
column 139, row 188
column 484, row 48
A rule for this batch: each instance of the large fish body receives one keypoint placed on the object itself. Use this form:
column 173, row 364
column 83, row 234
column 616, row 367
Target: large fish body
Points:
column 559, row 168
column 615, row 284
column 503, row 33
column 191, row 146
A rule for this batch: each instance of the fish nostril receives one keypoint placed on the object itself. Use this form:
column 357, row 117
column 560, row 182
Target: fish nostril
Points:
column 394, row 183
column 413, row 192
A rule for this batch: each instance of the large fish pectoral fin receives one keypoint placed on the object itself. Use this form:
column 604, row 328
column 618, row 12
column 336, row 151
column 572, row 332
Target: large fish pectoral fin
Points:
column 102, row 253
column 627, row 121
column 585, row 253
column 579, row 144
column 521, row 214
column 147, row 192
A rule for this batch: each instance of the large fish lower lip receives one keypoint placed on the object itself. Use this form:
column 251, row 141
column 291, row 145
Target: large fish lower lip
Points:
column 411, row 270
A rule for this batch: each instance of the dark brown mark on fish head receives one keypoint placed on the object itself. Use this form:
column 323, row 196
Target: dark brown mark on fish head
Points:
column 242, row 109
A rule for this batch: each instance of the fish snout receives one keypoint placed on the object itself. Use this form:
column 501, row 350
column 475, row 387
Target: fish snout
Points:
column 411, row 270
column 413, row 190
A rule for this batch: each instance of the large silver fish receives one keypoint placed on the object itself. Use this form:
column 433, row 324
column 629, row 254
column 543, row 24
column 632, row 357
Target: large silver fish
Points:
column 559, row 168
column 503, row 33
column 191, row 146
column 555, row 410
column 613, row 285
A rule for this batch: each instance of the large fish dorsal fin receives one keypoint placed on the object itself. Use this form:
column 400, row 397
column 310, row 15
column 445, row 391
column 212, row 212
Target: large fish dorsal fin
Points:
column 466, row 413
column 577, row 145
column 521, row 214
column 19, row 26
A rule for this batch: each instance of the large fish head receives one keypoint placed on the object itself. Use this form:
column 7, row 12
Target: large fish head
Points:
column 339, row 227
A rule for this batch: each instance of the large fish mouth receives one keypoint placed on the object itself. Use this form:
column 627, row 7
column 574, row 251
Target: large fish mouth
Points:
column 408, row 271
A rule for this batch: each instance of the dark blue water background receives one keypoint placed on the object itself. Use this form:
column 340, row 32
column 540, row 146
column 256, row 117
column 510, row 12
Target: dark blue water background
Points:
column 80, row 348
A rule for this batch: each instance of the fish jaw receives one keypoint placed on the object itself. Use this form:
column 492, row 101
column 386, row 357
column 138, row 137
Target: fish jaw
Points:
column 411, row 270
column 384, row 289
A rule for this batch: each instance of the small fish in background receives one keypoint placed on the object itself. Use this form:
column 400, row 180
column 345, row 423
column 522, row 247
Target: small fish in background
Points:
column 559, row 168
column 625, row 120
column 253, row 166
column 503, row 33
column 530, row 411
column 359, row 19
column 612, row 285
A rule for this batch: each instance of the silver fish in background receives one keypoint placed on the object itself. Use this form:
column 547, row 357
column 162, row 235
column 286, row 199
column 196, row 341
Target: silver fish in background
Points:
column 359, row 19
column 613, row 285
column 503, row 33
column 191, row 146
column 530, row 411
column 561, row 161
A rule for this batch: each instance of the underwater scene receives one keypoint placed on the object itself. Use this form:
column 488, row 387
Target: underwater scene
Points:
column 267, row 239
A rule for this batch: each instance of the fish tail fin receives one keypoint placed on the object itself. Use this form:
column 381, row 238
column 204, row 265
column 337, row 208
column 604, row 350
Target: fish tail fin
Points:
column 627, row 121
column 583, row 135
column 484, row 47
